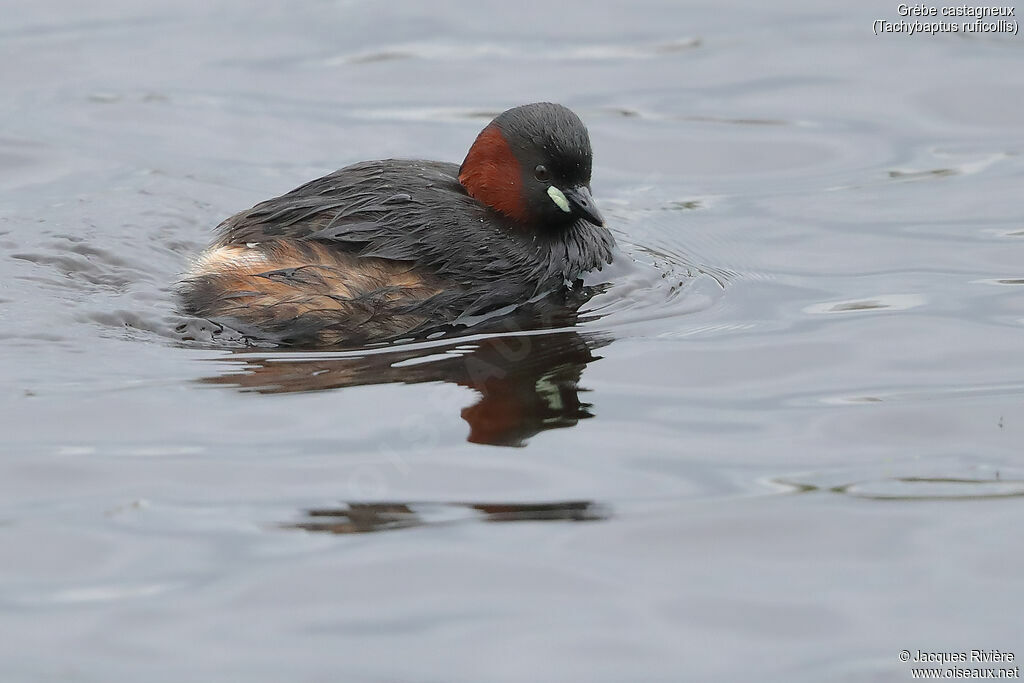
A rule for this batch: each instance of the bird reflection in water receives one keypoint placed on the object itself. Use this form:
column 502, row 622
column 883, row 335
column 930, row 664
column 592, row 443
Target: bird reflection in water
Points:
column 359, row 518
column 526, row 382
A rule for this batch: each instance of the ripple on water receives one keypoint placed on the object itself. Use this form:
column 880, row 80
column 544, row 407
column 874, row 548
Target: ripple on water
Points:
column 78, row 268
column 1005, row 281
column 553, row 51
column 113, row 592
column 655, row 277
column 358, row 518
column 920, row 488
column 922, row 481
column 932, row 393
column 881, row 302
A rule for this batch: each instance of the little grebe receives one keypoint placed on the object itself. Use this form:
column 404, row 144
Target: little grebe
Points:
column 392, row 249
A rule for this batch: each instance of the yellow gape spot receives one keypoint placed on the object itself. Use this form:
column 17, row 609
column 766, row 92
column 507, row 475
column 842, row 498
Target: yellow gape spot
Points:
column 559, row 198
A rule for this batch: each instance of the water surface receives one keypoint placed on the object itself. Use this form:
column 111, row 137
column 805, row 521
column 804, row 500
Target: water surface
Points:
column 782, row 442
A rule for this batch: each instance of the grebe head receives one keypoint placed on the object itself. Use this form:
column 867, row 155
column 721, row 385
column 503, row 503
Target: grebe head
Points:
column 532, row 163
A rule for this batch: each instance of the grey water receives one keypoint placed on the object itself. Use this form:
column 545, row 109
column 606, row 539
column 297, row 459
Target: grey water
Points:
column 783, row 442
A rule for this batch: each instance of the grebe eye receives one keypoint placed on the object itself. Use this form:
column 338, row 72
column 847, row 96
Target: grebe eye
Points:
column 541, row 173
